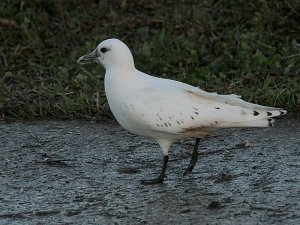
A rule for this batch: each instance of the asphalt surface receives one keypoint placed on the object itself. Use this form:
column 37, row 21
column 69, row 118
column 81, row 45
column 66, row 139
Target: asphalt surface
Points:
column 85, row 172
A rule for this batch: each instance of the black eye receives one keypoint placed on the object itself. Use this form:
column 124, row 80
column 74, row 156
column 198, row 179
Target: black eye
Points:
column 103, row 50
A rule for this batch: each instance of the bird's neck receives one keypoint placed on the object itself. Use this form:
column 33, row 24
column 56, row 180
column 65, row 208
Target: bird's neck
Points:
column 120, row 70
column 117, row 79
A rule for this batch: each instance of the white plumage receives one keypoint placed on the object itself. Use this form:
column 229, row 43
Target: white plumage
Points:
column 168, row 110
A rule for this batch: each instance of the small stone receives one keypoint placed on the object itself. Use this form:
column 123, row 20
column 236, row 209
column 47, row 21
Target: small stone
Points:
column 244, row 144
column 214, row 205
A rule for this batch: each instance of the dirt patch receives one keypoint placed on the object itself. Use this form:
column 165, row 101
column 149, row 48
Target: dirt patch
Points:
column 80, row 172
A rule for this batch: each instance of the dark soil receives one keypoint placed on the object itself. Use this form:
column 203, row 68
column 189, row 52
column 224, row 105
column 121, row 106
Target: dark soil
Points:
column 82, row 172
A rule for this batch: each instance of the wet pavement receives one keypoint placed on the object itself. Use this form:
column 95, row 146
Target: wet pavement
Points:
column 83, row 172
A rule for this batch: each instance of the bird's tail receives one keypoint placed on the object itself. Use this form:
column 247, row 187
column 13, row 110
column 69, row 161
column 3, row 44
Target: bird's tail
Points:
column 259, row 118
column 255, row 123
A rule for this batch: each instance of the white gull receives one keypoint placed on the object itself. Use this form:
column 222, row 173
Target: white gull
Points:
column 168, row 110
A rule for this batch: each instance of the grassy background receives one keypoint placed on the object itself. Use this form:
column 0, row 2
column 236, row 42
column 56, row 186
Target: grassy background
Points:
column 251, row 48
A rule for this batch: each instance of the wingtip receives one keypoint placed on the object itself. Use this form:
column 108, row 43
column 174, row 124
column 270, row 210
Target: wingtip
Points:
column 282, row 112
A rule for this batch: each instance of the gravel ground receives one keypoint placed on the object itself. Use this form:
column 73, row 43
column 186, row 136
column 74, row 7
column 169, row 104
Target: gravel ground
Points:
column 84, row 172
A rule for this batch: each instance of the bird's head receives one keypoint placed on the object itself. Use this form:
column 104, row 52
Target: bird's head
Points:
column 111, row 54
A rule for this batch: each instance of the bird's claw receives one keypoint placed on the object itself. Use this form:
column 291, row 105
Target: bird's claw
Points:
column 158, row 180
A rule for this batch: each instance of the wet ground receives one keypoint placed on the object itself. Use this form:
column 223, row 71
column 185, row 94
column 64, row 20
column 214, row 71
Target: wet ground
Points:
column 83, row 172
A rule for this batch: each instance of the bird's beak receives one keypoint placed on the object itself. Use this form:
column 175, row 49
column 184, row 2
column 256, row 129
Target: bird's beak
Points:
column 88, row 58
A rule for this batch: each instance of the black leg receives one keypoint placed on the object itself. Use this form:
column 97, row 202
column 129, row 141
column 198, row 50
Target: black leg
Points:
column 161, row 176
column 193, row 159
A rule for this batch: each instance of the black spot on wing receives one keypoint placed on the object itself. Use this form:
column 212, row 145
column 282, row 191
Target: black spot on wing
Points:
column 192, row 117
column 269, row 113
column 255, row 113
column 217, row 108
column 196, row 113
column 177, row 122
column 270, row 122
column 166, row 125
column 159, row 116
column 282, row 112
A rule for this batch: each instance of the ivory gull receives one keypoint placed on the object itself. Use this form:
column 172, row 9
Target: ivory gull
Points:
column 168, row 110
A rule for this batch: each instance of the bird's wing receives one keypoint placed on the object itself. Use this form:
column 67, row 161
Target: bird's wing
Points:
column 231, row 99
column 180, row 108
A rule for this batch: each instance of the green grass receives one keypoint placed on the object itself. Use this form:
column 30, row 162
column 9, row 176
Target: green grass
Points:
column 251, row 48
